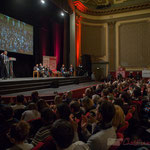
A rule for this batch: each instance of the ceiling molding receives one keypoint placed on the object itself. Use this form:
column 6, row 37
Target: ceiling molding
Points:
column 106, row 8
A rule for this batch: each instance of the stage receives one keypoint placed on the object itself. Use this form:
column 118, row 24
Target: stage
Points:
column 17, row 85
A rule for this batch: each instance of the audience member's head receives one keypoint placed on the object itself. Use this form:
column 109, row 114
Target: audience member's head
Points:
column 125, row 97
column 68, row 95
column 74, row 106
column 88, row 92
column 63, row 111
column 137, row 92
column 57, row 100
column 96, row 99
column 32, row 106
column 19, row 132
column 104, row 93
column 41, row 104
column 48, row 116
column 87, row 103
column 35, row 96
column 62, row 133
column 118, row 101
column 106, row 111
column 20, row 99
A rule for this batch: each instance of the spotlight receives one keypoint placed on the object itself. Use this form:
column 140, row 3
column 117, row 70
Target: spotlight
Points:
column 43, row 1
column 62, row 14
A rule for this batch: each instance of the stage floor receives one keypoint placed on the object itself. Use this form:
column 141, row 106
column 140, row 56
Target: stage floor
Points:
column 50, row 91
column 31, row 78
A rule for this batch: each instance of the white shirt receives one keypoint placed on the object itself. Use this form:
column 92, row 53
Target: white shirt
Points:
column 17, row 106
column 31, row 114
column 79, row 145
column 23, row 146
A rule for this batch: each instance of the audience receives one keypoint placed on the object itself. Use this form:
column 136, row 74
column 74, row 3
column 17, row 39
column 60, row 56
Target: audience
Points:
column 91, row 122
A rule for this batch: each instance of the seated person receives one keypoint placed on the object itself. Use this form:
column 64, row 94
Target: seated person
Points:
column 103, row 129
column 48, row 117
column 36, row 68
column 19, row 103
column 32, row 113
column 71, row 70
column 63, row 140
column 18, row 134
column 46, row 72
column 41, row 69
column 63, row 69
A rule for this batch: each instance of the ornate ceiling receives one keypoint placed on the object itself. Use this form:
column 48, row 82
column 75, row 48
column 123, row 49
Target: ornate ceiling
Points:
column 102, row 7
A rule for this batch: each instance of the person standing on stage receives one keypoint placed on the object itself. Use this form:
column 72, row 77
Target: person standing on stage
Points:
column 4, row 63
column 71, row 70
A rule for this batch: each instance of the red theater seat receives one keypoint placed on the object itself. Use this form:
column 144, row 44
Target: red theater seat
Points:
column 38, row 146
column 128, row 116
column 122, row 129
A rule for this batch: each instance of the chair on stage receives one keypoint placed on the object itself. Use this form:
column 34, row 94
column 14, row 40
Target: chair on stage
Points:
column 36, row 73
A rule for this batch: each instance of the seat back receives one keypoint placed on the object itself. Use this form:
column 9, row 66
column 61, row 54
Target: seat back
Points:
column 122, row 129
column 38, row 146
column 128, row 116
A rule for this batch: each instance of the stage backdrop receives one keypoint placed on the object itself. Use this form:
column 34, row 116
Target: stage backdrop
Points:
column 50, row 61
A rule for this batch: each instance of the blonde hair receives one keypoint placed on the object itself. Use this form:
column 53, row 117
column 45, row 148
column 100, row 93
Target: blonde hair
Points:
column 119, row 117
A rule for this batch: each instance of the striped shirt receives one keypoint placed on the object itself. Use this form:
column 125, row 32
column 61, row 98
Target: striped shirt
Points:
column 41, row 135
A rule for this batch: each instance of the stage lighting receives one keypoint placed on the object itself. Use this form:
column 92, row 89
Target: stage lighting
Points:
column 43, row 1
column 62, row 14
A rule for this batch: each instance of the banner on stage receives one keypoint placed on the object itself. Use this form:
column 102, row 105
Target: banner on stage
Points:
column 50, row 61
column 53, row 65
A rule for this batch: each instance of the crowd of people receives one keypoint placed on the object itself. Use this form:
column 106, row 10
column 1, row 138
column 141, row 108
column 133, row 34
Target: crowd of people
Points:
column 91, row 122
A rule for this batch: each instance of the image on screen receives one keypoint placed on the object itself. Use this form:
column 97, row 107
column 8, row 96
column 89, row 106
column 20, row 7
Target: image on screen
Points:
column 15, row 36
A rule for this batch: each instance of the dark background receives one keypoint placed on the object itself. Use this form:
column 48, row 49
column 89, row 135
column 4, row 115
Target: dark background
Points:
column 43, row 19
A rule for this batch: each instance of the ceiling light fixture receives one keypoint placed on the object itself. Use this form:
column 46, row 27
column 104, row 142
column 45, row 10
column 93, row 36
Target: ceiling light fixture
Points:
column 43, row 1
column 62, row 14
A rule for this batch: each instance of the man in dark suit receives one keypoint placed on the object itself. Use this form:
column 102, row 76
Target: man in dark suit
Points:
column 3, row 63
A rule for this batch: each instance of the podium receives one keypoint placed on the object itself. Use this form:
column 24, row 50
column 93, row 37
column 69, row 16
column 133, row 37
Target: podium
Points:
column 10, row 69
